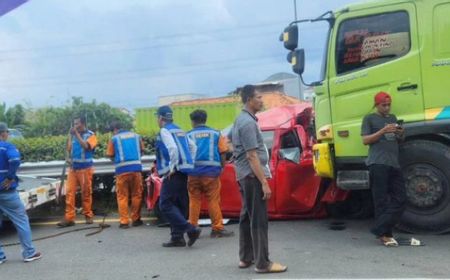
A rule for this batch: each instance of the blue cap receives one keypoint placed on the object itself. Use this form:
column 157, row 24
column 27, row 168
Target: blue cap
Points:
column 165, row 112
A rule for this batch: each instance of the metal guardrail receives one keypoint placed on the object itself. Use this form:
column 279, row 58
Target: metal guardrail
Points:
column 53, row 168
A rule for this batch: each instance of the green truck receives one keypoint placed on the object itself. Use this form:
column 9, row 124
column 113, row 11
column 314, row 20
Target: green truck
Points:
column 401, row 47
column 220, row 115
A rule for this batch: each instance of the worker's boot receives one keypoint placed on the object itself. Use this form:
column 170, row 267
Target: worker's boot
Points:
column 65, row 223
column 175, row 243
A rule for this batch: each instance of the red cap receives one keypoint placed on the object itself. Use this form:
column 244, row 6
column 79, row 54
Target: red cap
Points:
column 382, row 97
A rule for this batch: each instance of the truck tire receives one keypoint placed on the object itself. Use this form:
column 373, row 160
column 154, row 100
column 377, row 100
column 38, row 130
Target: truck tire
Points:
column 425, row 165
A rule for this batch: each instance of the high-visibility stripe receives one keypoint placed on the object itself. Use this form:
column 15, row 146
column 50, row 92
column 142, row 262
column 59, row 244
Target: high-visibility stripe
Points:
column 4, row 171
column 82, row 160
column 207, row 163
column 211, row 147
column 120, row 149
column 138, row 146
column 126, row 163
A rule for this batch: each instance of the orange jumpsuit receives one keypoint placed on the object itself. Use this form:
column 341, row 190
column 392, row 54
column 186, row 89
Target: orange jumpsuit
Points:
column 210, row 187
column 83, row 179
column 128, row 185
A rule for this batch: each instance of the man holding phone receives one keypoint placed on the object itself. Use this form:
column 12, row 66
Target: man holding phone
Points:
column 382, row 132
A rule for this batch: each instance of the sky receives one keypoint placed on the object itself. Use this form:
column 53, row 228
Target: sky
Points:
column 127, row 53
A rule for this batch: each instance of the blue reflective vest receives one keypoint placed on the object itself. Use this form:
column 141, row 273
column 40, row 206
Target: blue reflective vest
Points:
column 185, row 161
column 127, row 152
column 81, row 158
column 9, row 163
column 207, row 160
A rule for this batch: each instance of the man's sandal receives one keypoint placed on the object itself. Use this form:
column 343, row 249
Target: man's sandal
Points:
column 389, row 242
column 409, row 242
column 272, row 268
column 243, row 264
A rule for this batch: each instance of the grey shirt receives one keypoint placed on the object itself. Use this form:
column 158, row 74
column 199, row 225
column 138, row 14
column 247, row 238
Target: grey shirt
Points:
column 246, row 136
column 385, row 150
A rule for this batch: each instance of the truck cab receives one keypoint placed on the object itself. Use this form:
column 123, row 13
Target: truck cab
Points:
column 401, row 47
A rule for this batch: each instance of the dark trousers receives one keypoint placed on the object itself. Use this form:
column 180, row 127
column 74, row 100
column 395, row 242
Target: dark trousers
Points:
column 253, row 224
column 389, row 197
column 174, row 203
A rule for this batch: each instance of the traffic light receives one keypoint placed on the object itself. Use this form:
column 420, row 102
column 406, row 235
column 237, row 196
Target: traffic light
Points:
column 297, row 60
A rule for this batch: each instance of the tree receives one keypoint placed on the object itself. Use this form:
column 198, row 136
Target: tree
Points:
column 2, row 112
column 15, row 116
column 57, row 121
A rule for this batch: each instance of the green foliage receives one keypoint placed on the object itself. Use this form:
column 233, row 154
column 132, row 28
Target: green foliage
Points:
column 15, row 116
column 50, row 148
column 57, row 120
column 2, row 112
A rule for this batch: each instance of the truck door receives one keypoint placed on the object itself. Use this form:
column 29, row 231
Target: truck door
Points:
column 374, row 49
column 296, row 184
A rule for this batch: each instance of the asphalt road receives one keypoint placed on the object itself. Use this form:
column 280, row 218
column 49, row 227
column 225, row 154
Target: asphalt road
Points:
column 309, row 248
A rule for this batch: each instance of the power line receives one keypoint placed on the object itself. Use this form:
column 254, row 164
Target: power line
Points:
column 120, row 78
column 149, row 69
column 159, row 37
column 142, row 48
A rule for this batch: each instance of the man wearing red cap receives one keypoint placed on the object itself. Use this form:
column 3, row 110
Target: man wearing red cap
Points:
column 382, row 132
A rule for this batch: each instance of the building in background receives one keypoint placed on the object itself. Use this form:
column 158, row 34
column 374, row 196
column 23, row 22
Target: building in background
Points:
column 169, row 99
column 291, row 85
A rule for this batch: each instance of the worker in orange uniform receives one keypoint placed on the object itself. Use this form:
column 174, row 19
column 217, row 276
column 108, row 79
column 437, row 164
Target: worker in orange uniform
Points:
column 204, row 178
column 125, row 149
column 80, row 146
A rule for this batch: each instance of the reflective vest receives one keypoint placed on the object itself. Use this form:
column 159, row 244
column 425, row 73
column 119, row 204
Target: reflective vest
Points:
column 127, row 152
column 9, row 163
column 185, row 162
column 81, row 158
column 207, row 160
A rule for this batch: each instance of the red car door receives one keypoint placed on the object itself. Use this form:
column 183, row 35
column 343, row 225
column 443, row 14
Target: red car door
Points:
column 297, row 186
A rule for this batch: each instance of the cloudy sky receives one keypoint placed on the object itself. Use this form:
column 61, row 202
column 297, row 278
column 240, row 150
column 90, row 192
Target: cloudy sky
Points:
column 127, row 53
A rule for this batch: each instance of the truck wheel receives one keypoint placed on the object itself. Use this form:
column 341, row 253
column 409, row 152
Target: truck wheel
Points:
column 425, row 165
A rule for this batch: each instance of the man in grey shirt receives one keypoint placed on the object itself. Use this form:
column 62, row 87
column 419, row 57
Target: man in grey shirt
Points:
column 381, row 132
column 252, row 172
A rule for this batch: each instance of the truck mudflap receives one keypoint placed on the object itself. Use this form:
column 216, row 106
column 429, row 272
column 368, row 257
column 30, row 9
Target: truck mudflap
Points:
column 323, row 164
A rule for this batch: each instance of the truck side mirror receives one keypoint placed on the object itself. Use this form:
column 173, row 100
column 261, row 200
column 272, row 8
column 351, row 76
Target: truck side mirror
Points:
column 290, row 37
column 297, row 60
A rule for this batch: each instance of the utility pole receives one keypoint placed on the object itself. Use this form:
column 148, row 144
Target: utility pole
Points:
column 300, row 86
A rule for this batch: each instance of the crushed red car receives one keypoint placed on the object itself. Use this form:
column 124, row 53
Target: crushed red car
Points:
column 296, row 191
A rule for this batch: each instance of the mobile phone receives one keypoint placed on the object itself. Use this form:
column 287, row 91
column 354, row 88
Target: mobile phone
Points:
column 400, row 122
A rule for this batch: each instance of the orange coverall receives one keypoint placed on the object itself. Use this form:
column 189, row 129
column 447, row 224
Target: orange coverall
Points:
column 128, row 185
column 82, row 178
column 210, row 187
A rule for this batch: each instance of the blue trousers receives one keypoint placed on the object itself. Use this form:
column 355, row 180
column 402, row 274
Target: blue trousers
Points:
column 174, row 203
column 12, row 206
